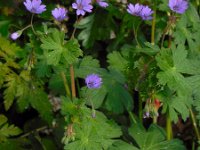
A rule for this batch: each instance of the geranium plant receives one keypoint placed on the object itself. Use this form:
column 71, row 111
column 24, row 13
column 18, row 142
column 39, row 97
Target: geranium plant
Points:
column 100, row 75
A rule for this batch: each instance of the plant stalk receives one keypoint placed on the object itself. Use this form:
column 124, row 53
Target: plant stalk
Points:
column 73, row 88
column 169, row 128
column 135, row 31
column 155, row 119
column 67, row 90
column 194, row 123
column 32, row 24
column 132, row 117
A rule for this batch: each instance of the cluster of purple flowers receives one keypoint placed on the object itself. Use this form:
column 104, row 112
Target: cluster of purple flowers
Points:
column 59, row 13
column 140, row 10
column 36, row 7
column 178, row 6
column 83, row 6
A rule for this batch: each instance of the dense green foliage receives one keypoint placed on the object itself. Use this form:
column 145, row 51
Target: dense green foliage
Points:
column 150, row 73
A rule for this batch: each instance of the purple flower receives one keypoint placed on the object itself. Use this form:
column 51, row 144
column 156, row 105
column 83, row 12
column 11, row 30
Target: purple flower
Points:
column 82, row 6
column 178, row 6
column 102, row 3
column 134, row 9
column 146, row 13
column 59, row 13
column 35, row 6
column 93, row 81
column 15, row 35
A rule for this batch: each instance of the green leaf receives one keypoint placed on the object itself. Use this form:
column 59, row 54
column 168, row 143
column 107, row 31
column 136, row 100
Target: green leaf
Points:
column 175, row 65
column 13, row 144
column 8, row 51
column 173, row 62
column 118, row 98
column 72, row 51
column 4, row 26
column 57, row 50
column 153, row 139
column 94, row 96
column 117, row 61
column 43, row 69
column 11, row 90
column 120, row 145
column 91, row 136
column 86, row 66
column 7, row 130
column 56, row 83
column 175, row 104
column 39, row 101
column 95, row 27
column 194, row 82
column 3, row 120
column 68, row 107
column 187, row 29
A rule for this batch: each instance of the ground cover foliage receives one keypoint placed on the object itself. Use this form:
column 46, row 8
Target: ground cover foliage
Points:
column 99, row 75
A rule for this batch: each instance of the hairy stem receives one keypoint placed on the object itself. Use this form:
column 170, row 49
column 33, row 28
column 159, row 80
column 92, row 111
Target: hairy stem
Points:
column 194, row 123
column 32, row 24
column 169, row 128
column 28, row 26
column 73, row 88
column 135, row 31
column 67, row 90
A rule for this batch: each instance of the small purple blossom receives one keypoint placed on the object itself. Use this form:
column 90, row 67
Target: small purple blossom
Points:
column 35, row 6
column 146, row 13
column 82, row 6
column 59, row 13
column 178, row 6
column 15, row 35
column 134, row 9
column 93, row 81
column 102, row 3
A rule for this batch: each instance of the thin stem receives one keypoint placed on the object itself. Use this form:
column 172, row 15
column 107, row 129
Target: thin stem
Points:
column 77, row 20
column 169, row 128
column 31, row 132
column 32, row 24
column 73, row 88
column 26, row 27
column 194, row 123
column 135, row 30
column 153, row 26
column 169, row 41
column 132, row 117
column 164, row 34
column 65, row 84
